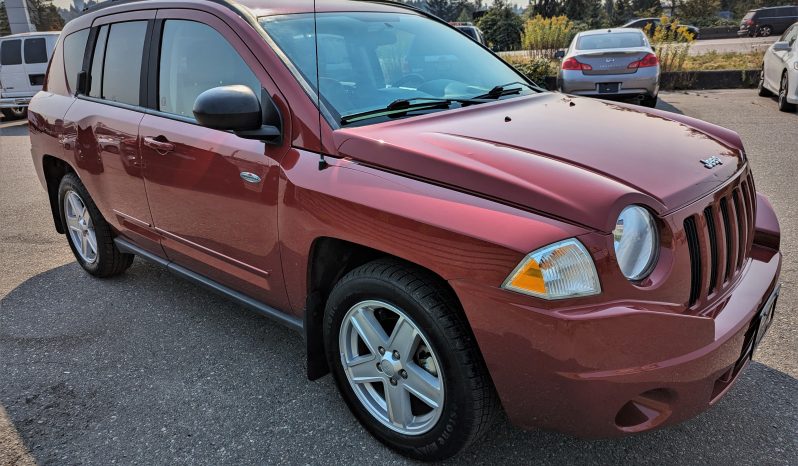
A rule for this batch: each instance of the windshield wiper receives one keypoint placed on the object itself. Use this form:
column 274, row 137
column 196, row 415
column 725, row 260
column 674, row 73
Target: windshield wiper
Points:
column 505, row 89
column 400, row 106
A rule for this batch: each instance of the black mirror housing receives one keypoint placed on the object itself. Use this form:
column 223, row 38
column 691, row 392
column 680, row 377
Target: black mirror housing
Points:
column 559, row 55
column 228, row 108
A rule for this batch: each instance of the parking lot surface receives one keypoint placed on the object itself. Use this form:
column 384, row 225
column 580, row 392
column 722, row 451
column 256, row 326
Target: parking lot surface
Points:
column 148, row 369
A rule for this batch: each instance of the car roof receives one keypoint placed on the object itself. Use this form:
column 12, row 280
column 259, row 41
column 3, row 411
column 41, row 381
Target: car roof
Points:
column 593, row 32
column 772, row 7
column 277, row 7
column 31, row 34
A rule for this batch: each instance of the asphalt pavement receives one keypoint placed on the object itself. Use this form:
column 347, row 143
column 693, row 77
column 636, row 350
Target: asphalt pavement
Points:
column 149, row 369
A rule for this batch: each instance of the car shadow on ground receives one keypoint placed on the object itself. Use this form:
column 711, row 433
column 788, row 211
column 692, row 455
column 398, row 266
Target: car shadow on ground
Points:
column 147, row 368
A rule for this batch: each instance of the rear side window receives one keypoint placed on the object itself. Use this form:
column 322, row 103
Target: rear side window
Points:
column 11, row 52
column 195, row 58
column 35, row 50
column 74, row 48
column 116, row 62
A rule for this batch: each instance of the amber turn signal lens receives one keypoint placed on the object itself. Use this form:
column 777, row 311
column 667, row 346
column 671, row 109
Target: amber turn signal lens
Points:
column 530, row 277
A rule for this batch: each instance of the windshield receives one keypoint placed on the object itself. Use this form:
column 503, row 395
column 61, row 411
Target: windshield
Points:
column 614, row 40
column 369, row 60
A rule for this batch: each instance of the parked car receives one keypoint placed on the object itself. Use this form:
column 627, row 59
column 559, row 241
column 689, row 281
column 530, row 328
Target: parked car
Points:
column 610, row 63
column 767, row 21
column 23, row 62
column 780, row 70
column 466, row 243
column 653, row 23
column 471, row 31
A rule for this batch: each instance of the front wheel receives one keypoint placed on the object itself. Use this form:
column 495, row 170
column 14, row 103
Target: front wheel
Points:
column 761, row 89
column 405, row 360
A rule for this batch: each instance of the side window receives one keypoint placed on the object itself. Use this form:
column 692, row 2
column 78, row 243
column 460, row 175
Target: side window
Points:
column 194, row 58
column 74, row 48
column 792, row 35
column 123, row 57
column 11, row 52
column 36, row 50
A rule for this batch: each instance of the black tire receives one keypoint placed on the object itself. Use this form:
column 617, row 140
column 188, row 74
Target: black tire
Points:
column 470, row 401
column 649, row 101
column 16, row 113
column 784, row 106
column 110, row 261
column 761, row 89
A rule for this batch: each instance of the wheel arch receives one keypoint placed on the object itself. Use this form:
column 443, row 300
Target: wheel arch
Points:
column 329, row 259
column 54, row 170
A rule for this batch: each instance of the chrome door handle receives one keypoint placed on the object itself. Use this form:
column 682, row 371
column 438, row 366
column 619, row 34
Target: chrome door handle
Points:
column 161, row 146
column 250, row 177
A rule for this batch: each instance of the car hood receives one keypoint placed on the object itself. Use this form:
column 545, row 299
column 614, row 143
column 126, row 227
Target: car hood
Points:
column 577, row 159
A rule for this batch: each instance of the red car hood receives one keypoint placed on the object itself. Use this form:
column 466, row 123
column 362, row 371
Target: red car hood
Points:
column 576, row 159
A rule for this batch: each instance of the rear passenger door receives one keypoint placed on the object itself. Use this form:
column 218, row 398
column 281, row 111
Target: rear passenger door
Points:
column 213, row 195
column 102, row 125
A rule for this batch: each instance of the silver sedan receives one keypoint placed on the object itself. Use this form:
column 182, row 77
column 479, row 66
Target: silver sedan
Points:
column 611, row 63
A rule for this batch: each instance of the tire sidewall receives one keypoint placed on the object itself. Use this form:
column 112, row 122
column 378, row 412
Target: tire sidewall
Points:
column 444, row 436
column 71, row 183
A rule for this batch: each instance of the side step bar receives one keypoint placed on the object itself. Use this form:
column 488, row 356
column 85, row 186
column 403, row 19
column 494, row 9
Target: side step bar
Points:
column 242, row 299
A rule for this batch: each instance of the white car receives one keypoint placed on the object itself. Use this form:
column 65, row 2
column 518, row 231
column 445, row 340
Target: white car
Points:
column 780, row 70
column 23, row 64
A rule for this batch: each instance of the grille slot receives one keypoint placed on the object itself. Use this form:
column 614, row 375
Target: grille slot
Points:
column 724, row 213
column 742, row 227
column 695, row 259
column 713, row 248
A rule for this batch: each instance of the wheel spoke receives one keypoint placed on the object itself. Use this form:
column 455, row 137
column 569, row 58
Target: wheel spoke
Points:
column 72, row 223
column 92, row 241
column 76, row 205
column 403, row 339
column 369, row 330
column 424, row 385
column 398, row 403
column 363, row 369
column 84, row 245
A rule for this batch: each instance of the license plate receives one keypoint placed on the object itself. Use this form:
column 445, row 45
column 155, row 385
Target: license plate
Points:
column 765, row 318
column 608, row 88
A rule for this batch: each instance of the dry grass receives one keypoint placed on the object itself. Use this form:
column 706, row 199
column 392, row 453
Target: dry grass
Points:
column 724, row 61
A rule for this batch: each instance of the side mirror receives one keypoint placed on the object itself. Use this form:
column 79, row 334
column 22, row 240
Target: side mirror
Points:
column 236, row 108
column 559, row 55
column 781, row 47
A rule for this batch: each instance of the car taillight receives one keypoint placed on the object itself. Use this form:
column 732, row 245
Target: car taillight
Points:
column 748, row 22
column 648, row 60
column 574, row 64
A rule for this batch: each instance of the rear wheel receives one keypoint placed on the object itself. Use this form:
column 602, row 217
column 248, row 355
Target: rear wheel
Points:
column 15, row 113
column 763, row 91
column 784, row 106
column 89, row 235
column 765, row 31
column 405, row 360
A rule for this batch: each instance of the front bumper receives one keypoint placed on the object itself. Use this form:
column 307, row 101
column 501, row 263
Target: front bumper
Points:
column 620, row 368
column 14, row 102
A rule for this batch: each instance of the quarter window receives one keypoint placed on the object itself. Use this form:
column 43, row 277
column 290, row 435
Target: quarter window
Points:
column 74, row 48
column 36, row 50
column 194, row 58
column 11, row 52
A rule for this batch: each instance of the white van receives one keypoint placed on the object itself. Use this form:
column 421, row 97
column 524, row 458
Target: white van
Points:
column 23, row 64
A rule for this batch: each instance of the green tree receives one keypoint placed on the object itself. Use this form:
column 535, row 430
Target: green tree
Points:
column 544, row 8
column 5, row 29
column 502, row 26
column 446, row 10
column 699, row 9
column 621, row 12
column 44, row 15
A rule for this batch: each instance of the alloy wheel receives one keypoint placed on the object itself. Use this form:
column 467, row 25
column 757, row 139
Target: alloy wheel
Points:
column 80, row 226
column 765, row 31
column 391, row 367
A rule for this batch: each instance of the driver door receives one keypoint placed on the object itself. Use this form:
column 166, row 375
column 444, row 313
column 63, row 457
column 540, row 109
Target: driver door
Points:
column 213, row 195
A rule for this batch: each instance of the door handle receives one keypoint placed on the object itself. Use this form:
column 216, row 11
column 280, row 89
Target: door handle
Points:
column 159, row 144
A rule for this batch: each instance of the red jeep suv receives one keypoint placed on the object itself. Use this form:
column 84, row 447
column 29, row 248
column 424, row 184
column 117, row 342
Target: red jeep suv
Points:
column 449, row 238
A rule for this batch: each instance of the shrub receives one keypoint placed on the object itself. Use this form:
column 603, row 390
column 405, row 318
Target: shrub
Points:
column 671, row 42
column 536, row 69
column 544, row 36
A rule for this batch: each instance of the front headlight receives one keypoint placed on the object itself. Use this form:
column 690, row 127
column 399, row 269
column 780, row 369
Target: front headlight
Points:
column 557, row 271
column 636, row 242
